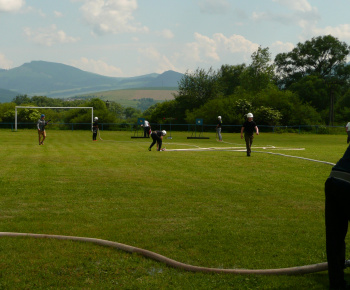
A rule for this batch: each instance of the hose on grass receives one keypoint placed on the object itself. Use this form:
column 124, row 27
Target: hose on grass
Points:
column 175, row 264
column 300, row 270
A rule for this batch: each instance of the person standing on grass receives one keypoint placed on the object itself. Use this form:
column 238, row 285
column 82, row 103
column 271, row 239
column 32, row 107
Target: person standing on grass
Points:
column 94, row 129
column 157, row 137
column 146, row 129
column 248, row 128
column 218, row 128
column 337, row 217
column 41, row 129
column 347, row 127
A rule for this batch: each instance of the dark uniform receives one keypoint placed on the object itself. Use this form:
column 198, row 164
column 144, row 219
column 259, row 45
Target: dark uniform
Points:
column 156, row 137
column 249, row 128
column 337, row 215
column 94, row 130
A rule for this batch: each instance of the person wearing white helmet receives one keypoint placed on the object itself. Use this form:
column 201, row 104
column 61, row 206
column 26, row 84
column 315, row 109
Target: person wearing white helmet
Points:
column 94, row 129
column 157, row 137
column 248, row 129
column 218, row 128
column 347, row 128
column 146, row 129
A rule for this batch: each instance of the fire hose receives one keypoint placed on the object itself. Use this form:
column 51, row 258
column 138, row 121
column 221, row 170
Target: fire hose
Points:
column 175, row 264
column 299, row 270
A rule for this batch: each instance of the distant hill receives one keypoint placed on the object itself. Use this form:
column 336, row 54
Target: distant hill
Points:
column 57, row 80
column 7, row 95
column 133, row 97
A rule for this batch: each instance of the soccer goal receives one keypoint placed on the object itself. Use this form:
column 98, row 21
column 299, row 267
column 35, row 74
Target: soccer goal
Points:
column 30, row 107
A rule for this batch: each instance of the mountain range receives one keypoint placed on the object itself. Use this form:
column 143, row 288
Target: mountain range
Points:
column 55, row 80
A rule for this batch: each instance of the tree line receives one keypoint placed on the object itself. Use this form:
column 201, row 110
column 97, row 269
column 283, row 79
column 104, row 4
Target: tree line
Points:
column 307, row 86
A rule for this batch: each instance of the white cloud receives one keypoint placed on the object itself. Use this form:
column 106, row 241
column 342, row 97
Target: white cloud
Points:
column 11, row 5
column 214, row 6
column 97, row 66
column 280, row 46
column 111, row 16
column 5, row 63
column 166, row 33
column 342, row 31
column 58, row 14
column 204, row 47
column 48, row 36
column 219, row 47
column 297, row 5
column 159, row 61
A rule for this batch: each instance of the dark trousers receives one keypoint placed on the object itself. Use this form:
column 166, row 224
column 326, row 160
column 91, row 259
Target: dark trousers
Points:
column 337, row 214
column 155, row 139
column 94, row 135
column 146, row 131
column 348, row 136
column 248, row 141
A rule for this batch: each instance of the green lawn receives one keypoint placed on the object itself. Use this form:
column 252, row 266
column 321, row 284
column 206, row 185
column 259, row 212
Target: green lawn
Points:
column 206, row 208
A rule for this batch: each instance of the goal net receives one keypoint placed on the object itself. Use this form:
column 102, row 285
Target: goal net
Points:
column 31, row 107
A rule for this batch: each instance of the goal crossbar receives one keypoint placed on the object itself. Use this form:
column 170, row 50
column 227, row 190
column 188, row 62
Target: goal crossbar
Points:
column 31, row 107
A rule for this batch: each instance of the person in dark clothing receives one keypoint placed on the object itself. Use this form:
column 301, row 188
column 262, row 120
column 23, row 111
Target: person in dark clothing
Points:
column 248, row 128
column 94, row 129
column 157, row 137
column 41, row 129
column 337, row 216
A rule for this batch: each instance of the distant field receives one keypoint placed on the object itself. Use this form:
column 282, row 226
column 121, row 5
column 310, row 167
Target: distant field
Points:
column 214, row 208
column 129, row 98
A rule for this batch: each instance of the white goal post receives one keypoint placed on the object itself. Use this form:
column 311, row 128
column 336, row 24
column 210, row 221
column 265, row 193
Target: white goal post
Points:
column 30, row 107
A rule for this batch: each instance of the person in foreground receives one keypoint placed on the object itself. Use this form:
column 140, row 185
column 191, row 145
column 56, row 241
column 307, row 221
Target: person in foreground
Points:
column 248, row 128
column 41, row 129
column 157, row 137
column 337, row 216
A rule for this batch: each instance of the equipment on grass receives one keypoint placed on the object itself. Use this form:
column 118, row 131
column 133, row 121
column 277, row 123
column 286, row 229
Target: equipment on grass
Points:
column 199, row 122
column 137, row 126
column 307, row 269
column 169, row 119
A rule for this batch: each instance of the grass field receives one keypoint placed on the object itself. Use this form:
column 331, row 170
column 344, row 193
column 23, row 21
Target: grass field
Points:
column 212, row 208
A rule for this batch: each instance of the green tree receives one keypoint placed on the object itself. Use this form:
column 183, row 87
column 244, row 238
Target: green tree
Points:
column 323, row 56
column 165, row 110
column 260, row 73
column 197, row 88
column 312, row 90
column 131, row 112
column 21, row 99
column 229, row 78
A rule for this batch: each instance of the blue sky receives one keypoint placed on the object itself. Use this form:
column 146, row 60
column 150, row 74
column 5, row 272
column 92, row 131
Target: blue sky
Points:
column 124, row 38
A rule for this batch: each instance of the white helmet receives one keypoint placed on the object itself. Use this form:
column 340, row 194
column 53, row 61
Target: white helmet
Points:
column 164, row 132
column 250, row 115
column 96, row 118
column 219, row 117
